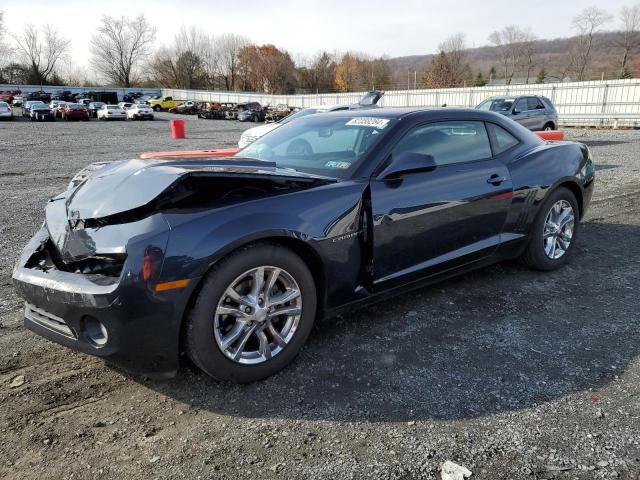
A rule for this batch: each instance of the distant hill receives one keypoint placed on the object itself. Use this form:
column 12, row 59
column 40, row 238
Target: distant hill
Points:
column 550, row 55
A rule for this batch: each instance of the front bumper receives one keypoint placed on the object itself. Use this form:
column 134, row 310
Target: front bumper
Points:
column 142, row 326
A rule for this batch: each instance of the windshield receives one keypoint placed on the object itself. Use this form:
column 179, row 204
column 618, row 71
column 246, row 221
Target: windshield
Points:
column 322, row 145
column 497, row 104
column 301, row 113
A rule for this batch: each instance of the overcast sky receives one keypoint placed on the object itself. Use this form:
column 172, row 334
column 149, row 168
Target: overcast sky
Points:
column 303, row 27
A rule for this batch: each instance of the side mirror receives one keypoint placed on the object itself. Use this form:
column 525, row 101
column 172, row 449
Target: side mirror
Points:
column 516, row 111
column 408, row 162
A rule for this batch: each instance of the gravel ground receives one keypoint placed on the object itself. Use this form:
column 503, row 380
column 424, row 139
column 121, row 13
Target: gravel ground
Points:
column 511, row 373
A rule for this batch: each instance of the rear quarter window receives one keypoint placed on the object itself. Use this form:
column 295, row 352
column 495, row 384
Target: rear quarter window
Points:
column 501, row 139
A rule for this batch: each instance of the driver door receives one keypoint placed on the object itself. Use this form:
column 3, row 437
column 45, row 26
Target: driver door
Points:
column 430, row 221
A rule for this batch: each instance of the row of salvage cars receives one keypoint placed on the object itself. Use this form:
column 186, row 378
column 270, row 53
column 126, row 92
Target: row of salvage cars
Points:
column 231, row 256
column 37, row 110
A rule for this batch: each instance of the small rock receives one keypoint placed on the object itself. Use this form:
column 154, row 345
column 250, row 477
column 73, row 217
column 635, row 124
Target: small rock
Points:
column 17, row 382
column 599, row 413
column 47, row 441
column 154, row 459
column 411, row 423
column 453, row 471
column 602, row 463
column 99, row 424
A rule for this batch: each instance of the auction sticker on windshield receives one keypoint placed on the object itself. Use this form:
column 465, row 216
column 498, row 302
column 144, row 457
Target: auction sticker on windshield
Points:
column 378, row 123
column 340, row 165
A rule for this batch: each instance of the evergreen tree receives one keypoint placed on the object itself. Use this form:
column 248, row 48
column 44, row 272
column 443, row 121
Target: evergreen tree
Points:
column 479, row 80
column 542, row 74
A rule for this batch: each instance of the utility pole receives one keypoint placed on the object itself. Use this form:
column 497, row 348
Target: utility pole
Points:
column 415, row 80
column 408, row 80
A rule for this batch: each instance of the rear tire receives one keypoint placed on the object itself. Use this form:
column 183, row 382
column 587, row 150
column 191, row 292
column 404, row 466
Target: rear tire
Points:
column 206, row 328
column 542, row 251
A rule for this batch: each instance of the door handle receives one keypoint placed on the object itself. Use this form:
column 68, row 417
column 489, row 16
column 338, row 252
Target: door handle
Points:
column 496, row 179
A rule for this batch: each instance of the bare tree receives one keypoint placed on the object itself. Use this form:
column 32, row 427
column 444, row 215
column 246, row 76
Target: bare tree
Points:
column 454, row 47
column 527, row 46
column 5, row 51
column 228, row 48
column 587, row 24
column 183, row 63
column 119, row 47
column 41, row 48
column 509, row 42
column 449, row 68
column 629, row 36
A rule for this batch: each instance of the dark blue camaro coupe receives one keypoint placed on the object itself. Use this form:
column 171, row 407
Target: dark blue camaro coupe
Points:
column 231, row 260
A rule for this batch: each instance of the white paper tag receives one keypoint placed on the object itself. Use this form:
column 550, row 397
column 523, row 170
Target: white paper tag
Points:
column 378, row 123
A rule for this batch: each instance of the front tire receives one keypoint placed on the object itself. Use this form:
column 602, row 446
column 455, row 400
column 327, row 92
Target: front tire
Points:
column 554, row 232
column 253, row 314
column 548, row 127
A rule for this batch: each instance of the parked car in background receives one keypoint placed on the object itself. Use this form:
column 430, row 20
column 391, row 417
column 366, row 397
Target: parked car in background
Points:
column 125, row 105
column 140, row 112
column 111, row 112
column 56, row 103
column 18, row 100
column 368, row 100
column 534, row 112
column 57, row 108
column 186, row 108
column 251, row 112
column 84, row 102
column 7, row 96
column 38, row 95
column 29, row 104
column 6, row 112
column 93, row 108
column 74, row 111
column 64, row 95
column 41, row 112
column 162, row 103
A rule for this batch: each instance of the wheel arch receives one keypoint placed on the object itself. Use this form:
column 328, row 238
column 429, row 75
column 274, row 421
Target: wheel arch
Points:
column 575, row 188
column 306, row 252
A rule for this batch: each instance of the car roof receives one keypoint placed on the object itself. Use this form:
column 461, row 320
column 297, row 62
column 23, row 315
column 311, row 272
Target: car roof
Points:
column 401, row 112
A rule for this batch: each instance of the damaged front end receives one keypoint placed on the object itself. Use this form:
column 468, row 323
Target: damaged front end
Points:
column 90, row 275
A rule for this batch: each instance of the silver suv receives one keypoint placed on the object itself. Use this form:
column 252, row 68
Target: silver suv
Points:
column 534, row 112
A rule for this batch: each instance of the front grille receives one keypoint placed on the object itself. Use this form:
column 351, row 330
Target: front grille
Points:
column 47, row 320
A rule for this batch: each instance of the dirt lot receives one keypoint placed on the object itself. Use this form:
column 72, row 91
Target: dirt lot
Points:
column 511, row 373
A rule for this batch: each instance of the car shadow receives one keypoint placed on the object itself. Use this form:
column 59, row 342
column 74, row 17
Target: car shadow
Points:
column 602, row 143
column 499, row 339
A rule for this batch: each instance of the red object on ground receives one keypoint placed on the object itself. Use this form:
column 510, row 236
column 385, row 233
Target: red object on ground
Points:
column 551, row 135
column 177, row 128
column 222, row 152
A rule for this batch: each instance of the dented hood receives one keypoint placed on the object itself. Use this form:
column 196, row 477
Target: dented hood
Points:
column 126, row 185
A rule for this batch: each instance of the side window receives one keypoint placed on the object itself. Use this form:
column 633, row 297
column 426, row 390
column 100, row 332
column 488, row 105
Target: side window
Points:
column 502, row 140
column 521, row 105
column 447, row 142
column 534, row 104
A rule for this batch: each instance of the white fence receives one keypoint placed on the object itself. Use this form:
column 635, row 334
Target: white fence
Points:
column 609, row 103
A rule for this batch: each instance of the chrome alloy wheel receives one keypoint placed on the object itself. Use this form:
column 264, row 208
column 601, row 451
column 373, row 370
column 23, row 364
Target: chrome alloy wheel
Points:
column 258, row 315
column 558, row 229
